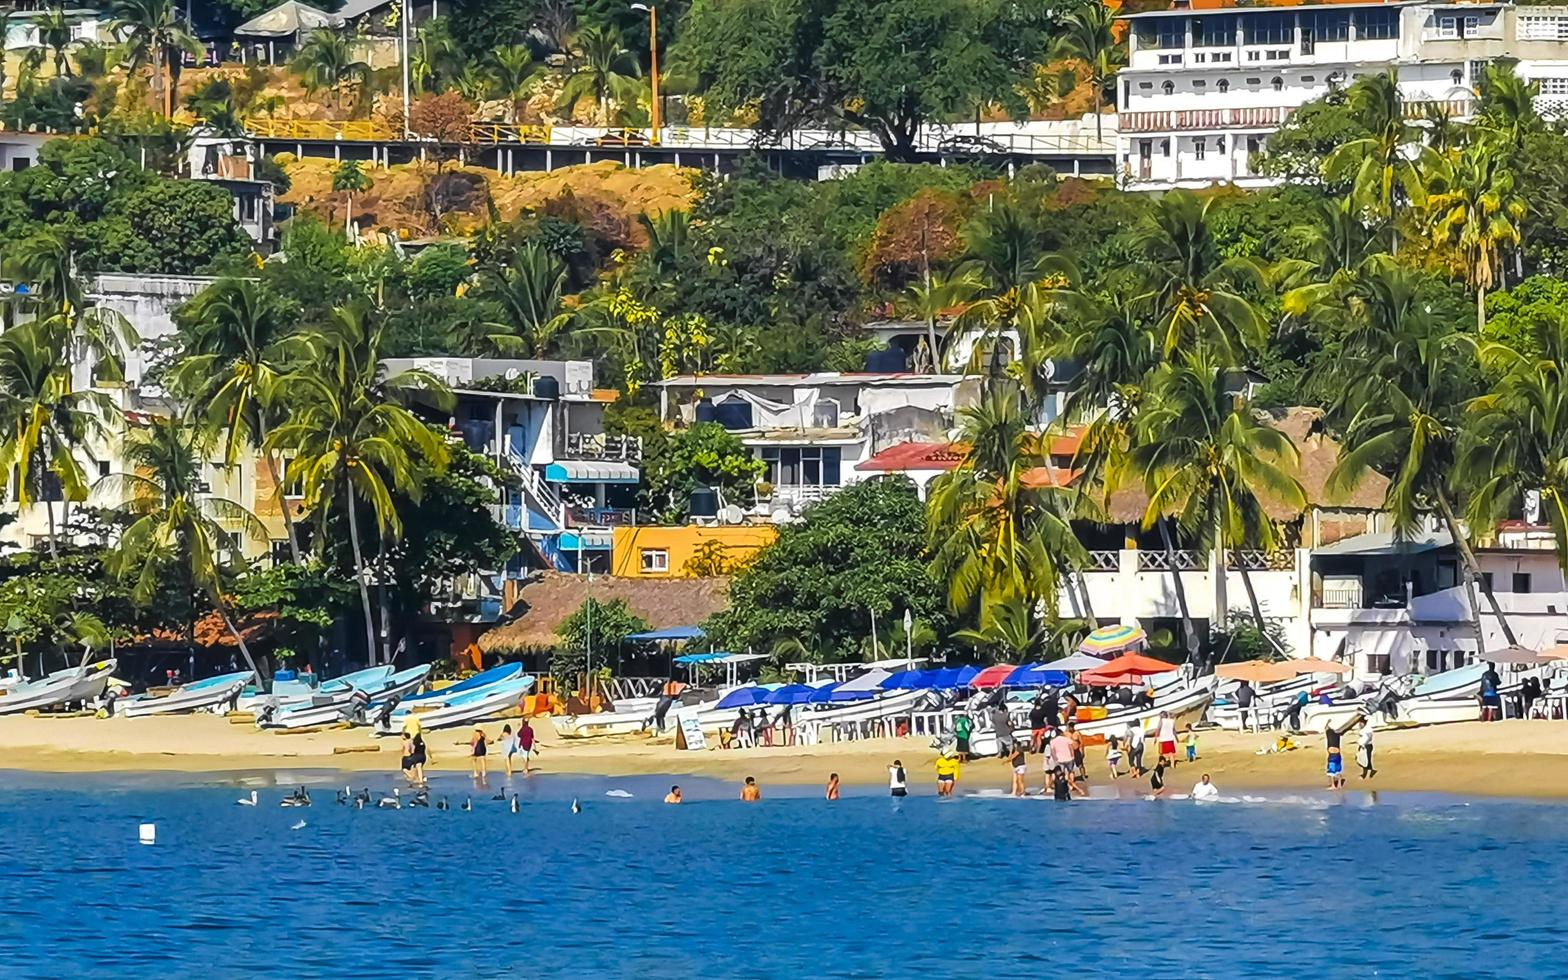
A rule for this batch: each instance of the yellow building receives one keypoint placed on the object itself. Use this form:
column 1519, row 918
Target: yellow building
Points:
column 689, row 551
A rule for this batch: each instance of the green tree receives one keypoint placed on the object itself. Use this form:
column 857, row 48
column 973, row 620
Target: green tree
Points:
column 171, row 227
column 1389, row 166
column 592, row 630
column 1507, row 111
column 528, row 290
column 54, row 32
column 1477, row 214
column 513, row 72
column 603, row 69
column 349, row 179
column 858, row 555
column 437, row 57
column 326, row 61
column 150, row 36
column 354, row 439
column 705, row 455
column 1088, row 35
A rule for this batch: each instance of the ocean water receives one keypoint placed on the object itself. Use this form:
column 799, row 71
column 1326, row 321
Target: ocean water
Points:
column 983, row 886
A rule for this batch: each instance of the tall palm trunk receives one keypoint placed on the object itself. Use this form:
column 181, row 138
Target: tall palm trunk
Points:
column 1473, row 576
column 359, row 575
column 1188, row 630
column 1480, row 310
column 234, row 631
column 54, row 543
column 278, row 496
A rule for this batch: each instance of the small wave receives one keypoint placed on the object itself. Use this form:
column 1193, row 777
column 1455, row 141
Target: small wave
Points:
column 619, row 794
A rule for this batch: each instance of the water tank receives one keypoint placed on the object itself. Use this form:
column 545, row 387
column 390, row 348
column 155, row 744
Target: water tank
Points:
column 889, row 360
column 733, row 415
column 705, row 502
column 706, row 412
column 546, row 386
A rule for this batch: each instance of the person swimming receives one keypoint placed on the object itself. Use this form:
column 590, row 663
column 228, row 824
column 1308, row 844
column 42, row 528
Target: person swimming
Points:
column 751, row 792
column 674, row 795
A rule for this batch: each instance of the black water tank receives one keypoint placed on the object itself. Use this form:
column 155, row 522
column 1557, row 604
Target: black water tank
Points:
column 733, row 415
column 547, row 387
column 704, row 502
column 889, row 360
column 706, row 412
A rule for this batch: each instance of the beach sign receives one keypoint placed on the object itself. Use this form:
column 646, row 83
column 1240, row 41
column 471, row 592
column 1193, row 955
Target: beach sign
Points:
column 689, row 734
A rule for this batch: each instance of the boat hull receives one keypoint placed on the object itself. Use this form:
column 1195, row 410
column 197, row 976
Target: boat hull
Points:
column 341, row 708
column 471, row 707
column 61, row 687
column 197, row 696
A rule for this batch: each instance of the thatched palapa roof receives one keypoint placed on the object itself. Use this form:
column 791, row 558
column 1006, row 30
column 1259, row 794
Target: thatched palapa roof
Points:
column 544, row 603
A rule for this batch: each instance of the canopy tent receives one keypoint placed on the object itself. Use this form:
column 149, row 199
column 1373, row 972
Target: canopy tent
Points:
column 1108, row 640
column 790, row 694
column 1317, row 665
column 1074, row 663
column 871, row 681
column 1515, row 655
column 718, row 657
column 288, row 19
column 994, row 676
column 1129, row 668
column 1037, row 675
column 1256, row 671
column 669, row 634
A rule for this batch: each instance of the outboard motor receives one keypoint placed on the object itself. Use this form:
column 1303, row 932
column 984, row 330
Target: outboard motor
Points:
column 357, row 703
column 268, row 711
column 384, row 716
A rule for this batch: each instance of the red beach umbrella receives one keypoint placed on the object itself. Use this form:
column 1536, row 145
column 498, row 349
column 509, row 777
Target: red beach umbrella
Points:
column 1129, row 668
column 993, row 676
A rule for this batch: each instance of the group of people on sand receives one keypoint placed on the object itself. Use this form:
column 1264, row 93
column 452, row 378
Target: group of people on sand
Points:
column 416, row 753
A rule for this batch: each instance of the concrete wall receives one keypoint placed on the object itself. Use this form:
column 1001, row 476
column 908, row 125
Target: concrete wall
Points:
column 731, row 546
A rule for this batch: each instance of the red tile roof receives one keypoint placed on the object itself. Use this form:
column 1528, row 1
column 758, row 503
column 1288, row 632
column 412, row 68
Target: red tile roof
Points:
column 916, row 456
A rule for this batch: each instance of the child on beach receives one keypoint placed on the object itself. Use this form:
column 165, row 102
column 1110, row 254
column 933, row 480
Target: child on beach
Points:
column 1019, row 768
column 526, row 745
column 946, row 774
column 508, row 746
column 1113, row 757
column 476, row 752
column 1192, row 745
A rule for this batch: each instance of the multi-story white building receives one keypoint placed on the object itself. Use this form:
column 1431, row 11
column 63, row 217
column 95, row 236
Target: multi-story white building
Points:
column 1208, row 82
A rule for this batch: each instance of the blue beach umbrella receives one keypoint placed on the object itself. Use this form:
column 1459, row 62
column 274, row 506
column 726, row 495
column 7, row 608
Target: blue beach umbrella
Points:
column 744, row 697
column 831, row 693
column 791, row 694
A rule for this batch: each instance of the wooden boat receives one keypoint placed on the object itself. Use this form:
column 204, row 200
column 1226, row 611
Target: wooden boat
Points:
column 341, row 704
column 295, row 692
column 61, row 687
column 195, row 696
column 469, row 707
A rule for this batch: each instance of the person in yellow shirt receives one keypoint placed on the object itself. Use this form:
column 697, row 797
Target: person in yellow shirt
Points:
column 946, row 774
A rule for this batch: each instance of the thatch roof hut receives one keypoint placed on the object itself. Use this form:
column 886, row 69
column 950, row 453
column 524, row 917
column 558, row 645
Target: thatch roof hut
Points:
column 545, row 602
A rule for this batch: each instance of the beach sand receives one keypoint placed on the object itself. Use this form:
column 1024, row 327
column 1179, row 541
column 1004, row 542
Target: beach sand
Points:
column 1512, row 758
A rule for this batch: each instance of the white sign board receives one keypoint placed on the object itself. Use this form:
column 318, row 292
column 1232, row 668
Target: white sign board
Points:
column 690, row 734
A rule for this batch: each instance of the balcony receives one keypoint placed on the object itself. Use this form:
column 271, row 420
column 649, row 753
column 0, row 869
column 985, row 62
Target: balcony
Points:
column 603, row 447
column 1205, row 120
column 600, row 516
column 1175, row 561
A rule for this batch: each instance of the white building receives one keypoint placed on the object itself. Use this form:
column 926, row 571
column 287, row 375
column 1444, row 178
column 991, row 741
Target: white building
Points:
column 1208, row 82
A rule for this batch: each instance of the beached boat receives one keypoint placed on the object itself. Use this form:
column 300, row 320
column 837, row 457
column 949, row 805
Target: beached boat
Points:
column 195, row 696
column 1268, row 703
column 440, row 696
column 61, row 687
column 472, row 706
column 340, row 705
column 1185, row 702
column 292, row 690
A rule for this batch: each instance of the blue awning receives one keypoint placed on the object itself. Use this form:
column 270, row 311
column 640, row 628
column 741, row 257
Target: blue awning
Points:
column 571, row 541
column 586, row 471
column 703, row 659
column 669, row 633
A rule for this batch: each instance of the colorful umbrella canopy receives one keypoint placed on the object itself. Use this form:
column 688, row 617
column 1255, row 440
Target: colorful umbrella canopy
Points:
column 1037, row 675
column 1316, row 665
column 791, row 694
column 745, row 697
column 1129, row 668
column 1112, row 639
column 1257, row 671
column 994, row 676
column 1075, row 663
column 1514, row 655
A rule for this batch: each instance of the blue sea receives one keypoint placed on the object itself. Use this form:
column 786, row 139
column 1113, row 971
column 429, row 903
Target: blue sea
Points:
column 982, row 886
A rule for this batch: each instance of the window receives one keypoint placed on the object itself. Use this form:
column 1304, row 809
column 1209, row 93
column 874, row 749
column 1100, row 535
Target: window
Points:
column 1224, row 86
column 825, row 414
column 1522, row 582
column 1165, row 32
column 1165, row 148
column 1146, row 86
column 1198, row 83
column 103, row 468
column 1486, row 581
column 1170, row 59
column 1224, row 56
column 1268, row 28
column 1278, row 84
column 1168, row 87
column 1376, row 25
column 655, row 560
column 1379, row 663
column 21, row 163
column 1199, row 149
column 1447, row 27
column 1308, row 79
column 803, row 466
column 1542, row 27
column 1456, row 76
column 1554, row 86
column 1213, row 32
column 1477, row 71
column 1330, row 26
column 1450, row 26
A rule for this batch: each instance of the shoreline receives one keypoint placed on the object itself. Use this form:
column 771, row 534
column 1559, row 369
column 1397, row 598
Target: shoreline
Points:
column 1517, row 759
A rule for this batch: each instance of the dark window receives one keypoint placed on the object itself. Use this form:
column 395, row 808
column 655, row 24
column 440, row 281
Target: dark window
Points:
column 1224, row 86
column 1213, row 32
column 1486, row 581
column 1168, row 87
column 1331, row 26
column 21, row 163
column 1522, row 582
column 1172, row 33
column 803, row 466
column 1278, row 83
column 1376, row 25
column 103, row 468
column 1379, row 663
column 1268, row 28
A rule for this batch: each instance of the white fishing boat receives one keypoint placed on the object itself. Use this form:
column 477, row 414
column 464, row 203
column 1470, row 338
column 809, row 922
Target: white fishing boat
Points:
column 1186, row 702
column 1268, row 702
column 293, row 690
column 1431, row 711
column 61, row 687
column 342, row 705
column 195, row 696
column 440, row 696
column 472, row 706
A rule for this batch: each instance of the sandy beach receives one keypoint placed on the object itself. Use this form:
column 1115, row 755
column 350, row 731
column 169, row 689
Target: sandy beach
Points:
column 1513, row 758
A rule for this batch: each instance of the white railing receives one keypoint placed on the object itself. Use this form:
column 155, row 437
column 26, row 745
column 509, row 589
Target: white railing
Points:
column 1342, row 594
column 534, row 485
column 1104, row 561
column 804, row 494
column 1160, row 561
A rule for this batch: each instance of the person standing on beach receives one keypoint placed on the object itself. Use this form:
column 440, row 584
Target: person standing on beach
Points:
column 1076, row 738
column 751, row 792
column 508, row 747
column 1157, row 780
column 1166, row 734
column 1020, row 768
column 1364, row 750
column 1491, row 700
column 832, row 792
column 1244, row 704
column 526, row 743
column 1113, row 756
column 1335, row 765
column 479, row 765
column 1293, row 714
column 763, row 726
column 1037, row 722
column 962, row 726
column 946, row 774
column 1135, row 746
column 897, row 779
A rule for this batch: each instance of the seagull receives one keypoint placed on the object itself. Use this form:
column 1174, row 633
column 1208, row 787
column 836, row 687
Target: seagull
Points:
column 514, row 804
column 247, row 802
column 298, row 826
column 468, row 803
column 442, row 804
column 576, row 807
column 393, row 802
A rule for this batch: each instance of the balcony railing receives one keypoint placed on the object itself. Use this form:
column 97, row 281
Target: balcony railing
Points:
column 801, row 494
column 603, row 447
column 1181, row 561
column 600, row 516
column 1341, row 595
column 1104, row 561
column 1260, row 117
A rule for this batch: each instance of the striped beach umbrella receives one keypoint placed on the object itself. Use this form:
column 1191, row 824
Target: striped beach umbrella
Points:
column 1109, row 640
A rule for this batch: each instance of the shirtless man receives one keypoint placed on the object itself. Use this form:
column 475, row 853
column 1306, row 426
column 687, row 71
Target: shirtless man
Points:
column 674, row 795
column 751, row 793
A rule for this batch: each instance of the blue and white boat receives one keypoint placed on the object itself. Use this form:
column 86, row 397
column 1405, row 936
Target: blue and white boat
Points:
column 465, row 707
column 437, row 698
column 195, row 696
column 341, row 705
column 61, row 687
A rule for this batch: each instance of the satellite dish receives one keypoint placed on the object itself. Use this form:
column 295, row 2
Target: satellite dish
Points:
column 781, row 515
column 6, row 289
column 731, row 514
column 512, row 374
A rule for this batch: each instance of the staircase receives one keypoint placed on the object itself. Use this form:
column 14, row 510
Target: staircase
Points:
column 535, row 491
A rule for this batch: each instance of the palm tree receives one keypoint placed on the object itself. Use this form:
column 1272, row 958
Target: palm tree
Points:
column 934, row 297
column 602, row 68
column 513, row 72
column 177, row 523
column 1194, row 293
column 54, row 32
column 1517, row 441
column 529, row 289
column 354, row 440
column 326, row 61
column 437, row 56
column 1004, row 244
column 1007, row 625
column 1088, row 34
column 1507, row 110
column 1477, row 213
column 1206, row 461
column 1404, row 392
column 150, row 36
column 349, row 179
column 1390, row 165
column 238, row 346
column 45, row 422
column 998, row 529
column 44, row 260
